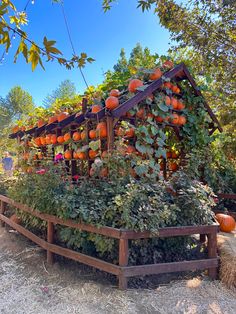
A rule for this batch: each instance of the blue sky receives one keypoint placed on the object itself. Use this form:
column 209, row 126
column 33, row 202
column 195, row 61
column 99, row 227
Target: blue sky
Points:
column 101, row 35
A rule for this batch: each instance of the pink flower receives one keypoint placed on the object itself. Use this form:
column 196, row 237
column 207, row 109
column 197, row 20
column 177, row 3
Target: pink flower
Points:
column 41, row 171
column 76, row 177
column 58, row 157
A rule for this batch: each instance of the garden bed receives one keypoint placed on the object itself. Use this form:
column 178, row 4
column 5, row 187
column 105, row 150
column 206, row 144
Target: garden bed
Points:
column 123, row 271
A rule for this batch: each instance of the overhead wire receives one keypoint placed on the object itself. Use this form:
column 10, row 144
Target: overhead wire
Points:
column 72, row 45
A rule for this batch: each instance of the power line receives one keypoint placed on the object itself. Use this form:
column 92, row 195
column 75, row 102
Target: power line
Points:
column 72, row 45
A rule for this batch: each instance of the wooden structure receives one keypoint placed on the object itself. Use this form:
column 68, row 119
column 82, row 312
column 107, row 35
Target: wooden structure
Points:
column 87, row 120
column 123, row 271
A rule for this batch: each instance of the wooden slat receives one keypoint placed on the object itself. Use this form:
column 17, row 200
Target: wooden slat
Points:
column 227, row 196
column 162, row 268
column 106, row 231
column 171, row 231
column 88, row 260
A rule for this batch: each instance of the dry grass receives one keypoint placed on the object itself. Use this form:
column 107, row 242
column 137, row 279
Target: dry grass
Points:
column 227, row 248
column 28, row 286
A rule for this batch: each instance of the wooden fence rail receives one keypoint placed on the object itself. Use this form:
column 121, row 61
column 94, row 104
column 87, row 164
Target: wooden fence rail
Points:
column 123, row 271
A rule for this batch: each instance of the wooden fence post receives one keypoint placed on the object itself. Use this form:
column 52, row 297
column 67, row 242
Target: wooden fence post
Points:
column 212, row 252
column 50, row 239
column 123, row 261
column 202, row 238
column 2, row 210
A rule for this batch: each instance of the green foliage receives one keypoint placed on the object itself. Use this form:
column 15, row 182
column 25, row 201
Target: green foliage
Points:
column 122, row 203
column 66, row 90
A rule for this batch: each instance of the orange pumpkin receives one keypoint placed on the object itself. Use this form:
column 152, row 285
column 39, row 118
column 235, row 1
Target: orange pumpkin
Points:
column 41, row 123
column 130, row 133
column 140, row 113
column 167, row 101
column 43, row 140
column 52, row 119
column 114, row 93
column 62, row 116
column 48, row 139
column 180, row 105
column 96, row 108
column 92, row 154
column 112, row 102
column 68, row 154
column 227, row 222
column 60, row 139
column 67, row 137
column 53, row 139
column 174, row 103
column 81, row 155
column 156, row 74
column 134, row 84
column 76, row 136
column 83, row 135
column 182, row 120
column 92, row 134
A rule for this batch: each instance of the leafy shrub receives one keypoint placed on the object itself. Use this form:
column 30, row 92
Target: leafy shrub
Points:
column 124, row 203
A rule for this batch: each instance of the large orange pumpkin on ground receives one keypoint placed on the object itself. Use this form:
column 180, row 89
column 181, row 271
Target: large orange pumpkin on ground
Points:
column 134, row 84
column 227, row 222
column 112, row 102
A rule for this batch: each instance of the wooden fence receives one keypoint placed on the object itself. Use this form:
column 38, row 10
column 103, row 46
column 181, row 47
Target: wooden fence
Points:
column 123, row 271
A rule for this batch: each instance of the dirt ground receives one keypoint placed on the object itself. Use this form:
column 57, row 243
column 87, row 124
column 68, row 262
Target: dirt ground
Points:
column 28, row 285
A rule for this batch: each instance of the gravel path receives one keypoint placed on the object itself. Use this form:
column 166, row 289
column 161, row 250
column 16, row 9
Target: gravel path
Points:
column 28, row 286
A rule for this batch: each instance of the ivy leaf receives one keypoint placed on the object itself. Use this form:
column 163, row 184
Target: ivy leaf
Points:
column 141, row 148
column 95, row 145
column 163, row 107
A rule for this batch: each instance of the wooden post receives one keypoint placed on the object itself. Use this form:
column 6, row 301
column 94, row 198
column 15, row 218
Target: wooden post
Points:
column 2, row 210
column 110, row 133
column 212, row 252
column 50, row 238
column 123, row 261
column 202, row 238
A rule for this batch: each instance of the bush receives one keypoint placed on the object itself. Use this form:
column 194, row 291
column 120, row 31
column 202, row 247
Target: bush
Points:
column 124, row 203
